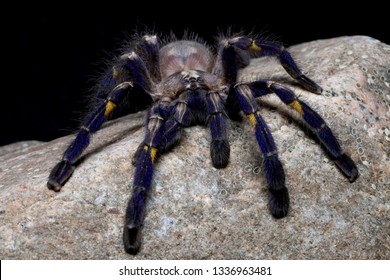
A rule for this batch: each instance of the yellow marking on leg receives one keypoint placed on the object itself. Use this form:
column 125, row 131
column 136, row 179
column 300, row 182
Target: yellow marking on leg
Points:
column 253, row 47
column 296, row 106
column 153, row 154
column 110, row 106
column 252, row 119
column 116, row 73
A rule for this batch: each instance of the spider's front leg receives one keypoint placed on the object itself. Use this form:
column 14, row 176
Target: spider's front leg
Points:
column 145, row 159
column 64, row 169
column 219, row 146
column 273, row 169
column 163, row 132
column 128, row 76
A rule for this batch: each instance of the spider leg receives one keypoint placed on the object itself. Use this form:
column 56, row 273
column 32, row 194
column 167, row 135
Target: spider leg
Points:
column 128, row 75
column 219, row 147
column 64, row 169
column 273, row 169
column 267, row 48
column 143, row 177
column 133, row 66
column 259, row 48
column 149, row 48
column 179, row 116
column 226, row 64
column 314, row 122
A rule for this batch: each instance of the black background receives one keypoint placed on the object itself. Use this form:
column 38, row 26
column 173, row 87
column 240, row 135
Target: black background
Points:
column 54, row 51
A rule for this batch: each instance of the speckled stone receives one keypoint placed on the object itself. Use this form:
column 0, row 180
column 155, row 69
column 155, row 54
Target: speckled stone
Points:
column 198, row 212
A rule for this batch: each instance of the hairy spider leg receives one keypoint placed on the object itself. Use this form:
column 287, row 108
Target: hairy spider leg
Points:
column 219, row 146
column 232, row 105
column 180, row 117
column 143, row 177
column 130, row 67
column 149, row 49
column 64, row 169
column 273, row 169
column 226, row 65
column 314, row 122
column 260, row 48
column 163, row 133
column 133, row 66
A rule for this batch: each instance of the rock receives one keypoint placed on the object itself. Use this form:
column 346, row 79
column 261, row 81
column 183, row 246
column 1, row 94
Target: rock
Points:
column 198, row 212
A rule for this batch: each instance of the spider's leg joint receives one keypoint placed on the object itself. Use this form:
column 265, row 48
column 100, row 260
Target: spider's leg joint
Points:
column 139, row 189
column 133, row 56
column 110, row 106
column 269, row 84
column 151, row 39
column 270, row 154
column 296, row 106
column 254, row 47
column 116, row 73
column 317, row 131
column 157, row 117
column 236, row 85
column 153, row 152
column 252, row 119
column 183, row 102
column 86, row 129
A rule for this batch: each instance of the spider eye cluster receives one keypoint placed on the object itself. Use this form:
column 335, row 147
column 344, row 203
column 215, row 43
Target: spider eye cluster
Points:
column 184, row 55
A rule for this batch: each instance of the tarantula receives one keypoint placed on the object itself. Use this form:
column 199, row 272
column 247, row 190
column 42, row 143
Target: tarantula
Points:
column 185, row 83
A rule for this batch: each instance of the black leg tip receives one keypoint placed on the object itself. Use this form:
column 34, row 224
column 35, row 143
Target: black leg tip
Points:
column 59, row 175
column 132, row 239
column 279, row 203
column 310, row 85
column 220, row 153
column 132, row 249
column 54, row 186
column 347, row 167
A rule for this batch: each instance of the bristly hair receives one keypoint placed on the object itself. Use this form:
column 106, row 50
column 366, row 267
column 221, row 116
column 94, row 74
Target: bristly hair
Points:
column 233, row 31
column 109, row 59
column 187, row 35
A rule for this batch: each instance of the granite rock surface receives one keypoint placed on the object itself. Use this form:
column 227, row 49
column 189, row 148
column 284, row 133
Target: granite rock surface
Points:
column 198, row 212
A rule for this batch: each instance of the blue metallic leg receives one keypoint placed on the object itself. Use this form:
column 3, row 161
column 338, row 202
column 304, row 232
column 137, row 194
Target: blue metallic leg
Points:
column 149, row 48
column 314, row 121
column 273, row 169
column 143, row 177
column 233, row 58
column 64, row 169
column 219, row 147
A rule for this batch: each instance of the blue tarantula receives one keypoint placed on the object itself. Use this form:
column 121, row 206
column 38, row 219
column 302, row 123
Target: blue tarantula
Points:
column 185, row 84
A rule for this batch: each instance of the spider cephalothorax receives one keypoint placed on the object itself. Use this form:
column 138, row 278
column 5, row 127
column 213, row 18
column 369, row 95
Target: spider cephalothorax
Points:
column 185, row 84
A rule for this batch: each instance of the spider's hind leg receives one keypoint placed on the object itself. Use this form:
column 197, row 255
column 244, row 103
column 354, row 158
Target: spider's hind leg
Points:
column 314, row 121
column 273, row 169
column 259, row 48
